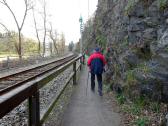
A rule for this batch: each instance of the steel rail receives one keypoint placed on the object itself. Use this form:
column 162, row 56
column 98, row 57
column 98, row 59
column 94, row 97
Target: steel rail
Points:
column 8, row 88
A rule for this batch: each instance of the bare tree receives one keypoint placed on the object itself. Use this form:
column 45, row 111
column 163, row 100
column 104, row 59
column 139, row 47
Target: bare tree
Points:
column 53, row 36
column 37, row 33
column 44, row 29
column 11, row 37
column 28, row 6
column 6, row 29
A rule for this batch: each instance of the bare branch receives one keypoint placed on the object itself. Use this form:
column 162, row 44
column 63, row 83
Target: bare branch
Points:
column 6, row 4
column 35, row 24
column 25, row 13
column 2, row 2
column 53, row 37
column 5, row 27
column 31, row 5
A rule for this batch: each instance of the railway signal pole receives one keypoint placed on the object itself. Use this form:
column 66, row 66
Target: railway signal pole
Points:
column 88, row 9
column 81, row 30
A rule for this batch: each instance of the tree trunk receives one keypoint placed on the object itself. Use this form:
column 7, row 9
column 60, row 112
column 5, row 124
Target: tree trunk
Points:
column 20, row 45
column 51, row 49
column 55, row 47
column 43, row 48
column 39, row 47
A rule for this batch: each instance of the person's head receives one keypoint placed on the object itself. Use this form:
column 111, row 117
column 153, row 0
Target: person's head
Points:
column 97, row 49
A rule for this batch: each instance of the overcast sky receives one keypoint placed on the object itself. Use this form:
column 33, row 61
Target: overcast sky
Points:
column 64, row 15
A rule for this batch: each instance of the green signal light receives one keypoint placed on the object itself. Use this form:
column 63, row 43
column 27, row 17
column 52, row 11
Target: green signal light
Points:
column 81, row 19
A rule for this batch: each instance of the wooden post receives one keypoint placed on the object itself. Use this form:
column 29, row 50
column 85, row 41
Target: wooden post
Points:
column 81, row 63
column 83, row 59
column 74, row 70
column 7, row 62
column 34, row 110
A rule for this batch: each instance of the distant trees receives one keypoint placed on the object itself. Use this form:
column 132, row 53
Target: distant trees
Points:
column 45, row 34
column 28, row 6
column 8, row 42
column 30, row 46
column 62, row 42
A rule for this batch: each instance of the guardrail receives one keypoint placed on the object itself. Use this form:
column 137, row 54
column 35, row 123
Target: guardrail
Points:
column 30, row 91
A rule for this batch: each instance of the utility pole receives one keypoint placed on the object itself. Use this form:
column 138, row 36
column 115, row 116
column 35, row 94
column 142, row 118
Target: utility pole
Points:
column 88, row 9
column 81, row 30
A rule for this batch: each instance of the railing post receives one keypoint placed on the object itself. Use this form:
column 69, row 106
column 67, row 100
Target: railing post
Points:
column 83, row 59
column 34, row 110
column 74, row 70
column 81, row 63
column 7, row 61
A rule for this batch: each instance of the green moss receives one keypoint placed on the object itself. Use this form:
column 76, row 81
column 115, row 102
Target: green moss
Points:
column 101, row 40
column 163, row 4
column 125, row 42
column 144, row 68
column 129, row 6
column 116, row 70
column 130, row 78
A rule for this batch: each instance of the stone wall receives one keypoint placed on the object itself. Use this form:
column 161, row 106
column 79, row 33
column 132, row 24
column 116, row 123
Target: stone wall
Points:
column 136, row 33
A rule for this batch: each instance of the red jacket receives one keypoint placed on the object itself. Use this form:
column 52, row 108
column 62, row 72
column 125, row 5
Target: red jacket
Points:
column 96, row 62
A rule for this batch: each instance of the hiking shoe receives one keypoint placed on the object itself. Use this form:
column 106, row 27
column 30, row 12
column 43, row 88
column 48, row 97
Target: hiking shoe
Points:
column 100, row 93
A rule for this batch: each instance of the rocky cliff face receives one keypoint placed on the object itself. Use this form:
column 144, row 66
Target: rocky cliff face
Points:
column 135, row 33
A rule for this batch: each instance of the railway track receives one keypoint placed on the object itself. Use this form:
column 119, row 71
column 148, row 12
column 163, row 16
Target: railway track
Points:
column 12, row 81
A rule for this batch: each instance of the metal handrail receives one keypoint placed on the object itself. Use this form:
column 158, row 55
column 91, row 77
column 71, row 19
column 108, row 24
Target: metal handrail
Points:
column 30, row 91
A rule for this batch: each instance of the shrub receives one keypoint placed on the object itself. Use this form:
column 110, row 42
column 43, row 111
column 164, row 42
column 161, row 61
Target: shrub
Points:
column 121, row 99
column 130, row 78
column 141, row 121
column 155, row 107
column 163, row 4
column 135, row 110
column 141, row 101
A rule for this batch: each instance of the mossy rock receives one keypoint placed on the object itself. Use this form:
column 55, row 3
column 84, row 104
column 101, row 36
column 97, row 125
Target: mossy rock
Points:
column 163, row 4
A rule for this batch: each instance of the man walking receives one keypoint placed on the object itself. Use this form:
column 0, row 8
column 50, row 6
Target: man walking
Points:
column 96, row 63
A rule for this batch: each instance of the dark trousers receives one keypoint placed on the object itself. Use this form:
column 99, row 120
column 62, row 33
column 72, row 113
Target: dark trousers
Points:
column 99, row 79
